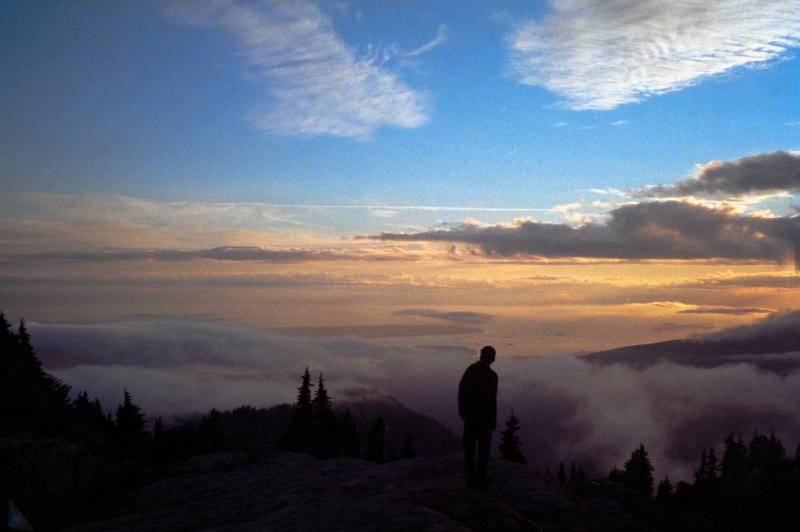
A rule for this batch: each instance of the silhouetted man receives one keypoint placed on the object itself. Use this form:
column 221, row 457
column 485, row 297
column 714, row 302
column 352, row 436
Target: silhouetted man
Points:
column 477, row 406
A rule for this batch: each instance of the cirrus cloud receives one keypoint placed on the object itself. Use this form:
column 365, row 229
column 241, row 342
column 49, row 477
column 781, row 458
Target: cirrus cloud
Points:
column 602, row 54
column 315, row 83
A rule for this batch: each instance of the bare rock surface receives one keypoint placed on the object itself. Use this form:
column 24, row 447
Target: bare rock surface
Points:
column 296, row 492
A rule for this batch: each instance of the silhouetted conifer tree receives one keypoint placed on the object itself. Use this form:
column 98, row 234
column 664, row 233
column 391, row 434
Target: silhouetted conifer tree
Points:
column 348, row 435
column 212, row 432
column 298, row 436
column 5, row 328
column 23, row 338
column 408, row 450
column 664, row 490
column 377, row 441
column 129, row 423
column 615, row 475
column 639, row 471
column 324, row 433
column 82, row 404
column 33, row 403
column 158, row 427
column 321, row 404
column 562, row 477
column 734, row 460
column 304, row 394
column 510, row 444
column 706, row 474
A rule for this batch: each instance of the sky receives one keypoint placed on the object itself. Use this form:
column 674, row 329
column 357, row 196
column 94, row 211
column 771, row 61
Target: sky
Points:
column 420, row 178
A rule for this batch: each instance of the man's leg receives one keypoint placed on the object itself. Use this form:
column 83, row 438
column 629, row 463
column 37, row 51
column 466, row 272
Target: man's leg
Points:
column 469, row 440
column 484, row 438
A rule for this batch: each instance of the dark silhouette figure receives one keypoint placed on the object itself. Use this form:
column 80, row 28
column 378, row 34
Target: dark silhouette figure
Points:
column 477, row 406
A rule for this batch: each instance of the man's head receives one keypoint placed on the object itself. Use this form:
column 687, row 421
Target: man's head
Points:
column 487, row 354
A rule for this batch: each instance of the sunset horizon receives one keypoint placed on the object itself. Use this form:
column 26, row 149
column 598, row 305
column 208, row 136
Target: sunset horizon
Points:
column 200, row 200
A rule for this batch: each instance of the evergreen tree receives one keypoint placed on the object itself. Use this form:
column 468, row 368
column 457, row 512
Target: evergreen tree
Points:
column 562, row 477
column 82, row 404
column 129, row 423
column 298, row 436
column 324, row 433
column 376, row 443
column 581, row 475
column 408, row 450
column 510, row 444
column 33, row 403
column 734, row 460
column 321, row 404
column 348, row 435
column 707, row 472
column 615, row 475
column 212, row 433
column 664, row 490
column 639, row 471
column 158, row 428
column 23, row 338
column 304, row 394
column 5, row 329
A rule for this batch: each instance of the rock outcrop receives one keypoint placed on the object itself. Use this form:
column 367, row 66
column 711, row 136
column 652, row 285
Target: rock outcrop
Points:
column 296, row 492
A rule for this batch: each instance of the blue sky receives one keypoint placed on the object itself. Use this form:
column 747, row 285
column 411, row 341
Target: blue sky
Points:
column 145, row 99
column 300, row 183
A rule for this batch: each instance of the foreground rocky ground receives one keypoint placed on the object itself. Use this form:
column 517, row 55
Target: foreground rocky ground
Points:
column 297, row 492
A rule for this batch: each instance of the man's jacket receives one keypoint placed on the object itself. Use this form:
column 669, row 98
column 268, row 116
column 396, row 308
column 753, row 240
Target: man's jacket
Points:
column 477, row 396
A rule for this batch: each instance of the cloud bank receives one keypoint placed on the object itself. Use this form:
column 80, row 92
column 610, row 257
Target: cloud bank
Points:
column 765, row 173
column 315, row 83
column 601, row 54
column 223, row 253
column 569, row 408
column 650, row 230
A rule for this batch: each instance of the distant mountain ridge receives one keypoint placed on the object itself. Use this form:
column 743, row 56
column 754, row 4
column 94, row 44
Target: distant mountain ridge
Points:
column 772, row 344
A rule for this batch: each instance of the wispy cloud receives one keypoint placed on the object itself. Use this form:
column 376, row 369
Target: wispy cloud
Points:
column 734, row 311
column 442, row 34
column 458, row 316
column 601, row 54
column 315, row 83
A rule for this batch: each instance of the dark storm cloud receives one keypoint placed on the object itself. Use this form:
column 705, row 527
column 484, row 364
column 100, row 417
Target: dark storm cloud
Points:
column 650, row 230
column 570, row 409
column 456, row 316
column 764, row 173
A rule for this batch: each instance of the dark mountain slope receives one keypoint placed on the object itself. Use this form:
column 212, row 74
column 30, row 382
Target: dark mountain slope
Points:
column 772, row 344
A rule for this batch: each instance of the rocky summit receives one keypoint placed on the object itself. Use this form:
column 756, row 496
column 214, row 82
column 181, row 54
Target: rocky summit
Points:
column 297, row 492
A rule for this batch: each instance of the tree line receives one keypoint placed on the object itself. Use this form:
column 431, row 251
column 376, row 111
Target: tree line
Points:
column 317, row 430
column 755, row 485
